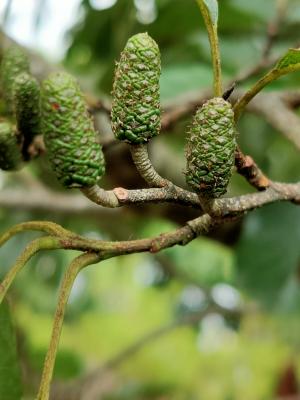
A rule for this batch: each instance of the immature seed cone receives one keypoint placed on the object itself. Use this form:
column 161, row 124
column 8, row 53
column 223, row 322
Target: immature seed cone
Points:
column 26, row 92
column 210, row 148
column 70, row 138
column 136, row 105
column 14, row 62
column 10, row 152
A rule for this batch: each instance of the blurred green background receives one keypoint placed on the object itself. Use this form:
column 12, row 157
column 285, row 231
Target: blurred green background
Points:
column 234, row 295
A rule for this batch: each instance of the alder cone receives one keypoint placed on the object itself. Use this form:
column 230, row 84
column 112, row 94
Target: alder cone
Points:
column 210, row 148
column 26, row 92
column 70, row 138
column 10, row 152
column 14, row 62
column 136, row 101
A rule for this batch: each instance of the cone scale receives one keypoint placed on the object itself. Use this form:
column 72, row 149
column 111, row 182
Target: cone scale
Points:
column 136, row 102
column 70, row 138
column 210, row 148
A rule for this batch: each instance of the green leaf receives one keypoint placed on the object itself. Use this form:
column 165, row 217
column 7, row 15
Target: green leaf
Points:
column 268, row 252
column 10, row 380
column 290, row 60
column 212, row 8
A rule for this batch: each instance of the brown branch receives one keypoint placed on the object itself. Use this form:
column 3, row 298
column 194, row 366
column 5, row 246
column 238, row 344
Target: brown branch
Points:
column 181, row 236
column 120, row 196
column 241, row 204
column 46, row 200
column 222, row 210
column 247, row 167
column 172, row 194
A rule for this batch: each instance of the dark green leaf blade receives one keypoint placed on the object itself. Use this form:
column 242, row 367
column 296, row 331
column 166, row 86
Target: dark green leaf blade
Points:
column 268, row 252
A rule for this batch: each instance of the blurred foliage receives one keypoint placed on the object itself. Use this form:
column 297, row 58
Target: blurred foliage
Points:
column 268, row 252
column 100, row 37
column 68, row 365
column 10, row 377
column 117, row 302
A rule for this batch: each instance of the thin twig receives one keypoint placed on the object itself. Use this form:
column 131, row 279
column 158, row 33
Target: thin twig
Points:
column 268, row 78
column 222, row 209
column 211, row 27
column 145, row 168
column 69, row 278
column 121, row 196
column 48, row 227
column 44, row 243
column 162, row 190
column 100, row 196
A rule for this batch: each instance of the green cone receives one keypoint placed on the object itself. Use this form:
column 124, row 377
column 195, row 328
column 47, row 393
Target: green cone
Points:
column 210, row 148
column 10, row 151
column 136, row 105
column 26, row 92
column 69, row 134
column 14, row 62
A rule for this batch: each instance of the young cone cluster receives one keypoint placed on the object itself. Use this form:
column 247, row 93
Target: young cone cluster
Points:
column 136, row 103
column 26, row 92
column 14, row 62
column 10, row 152
column 210, row 148
column 70, row 138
